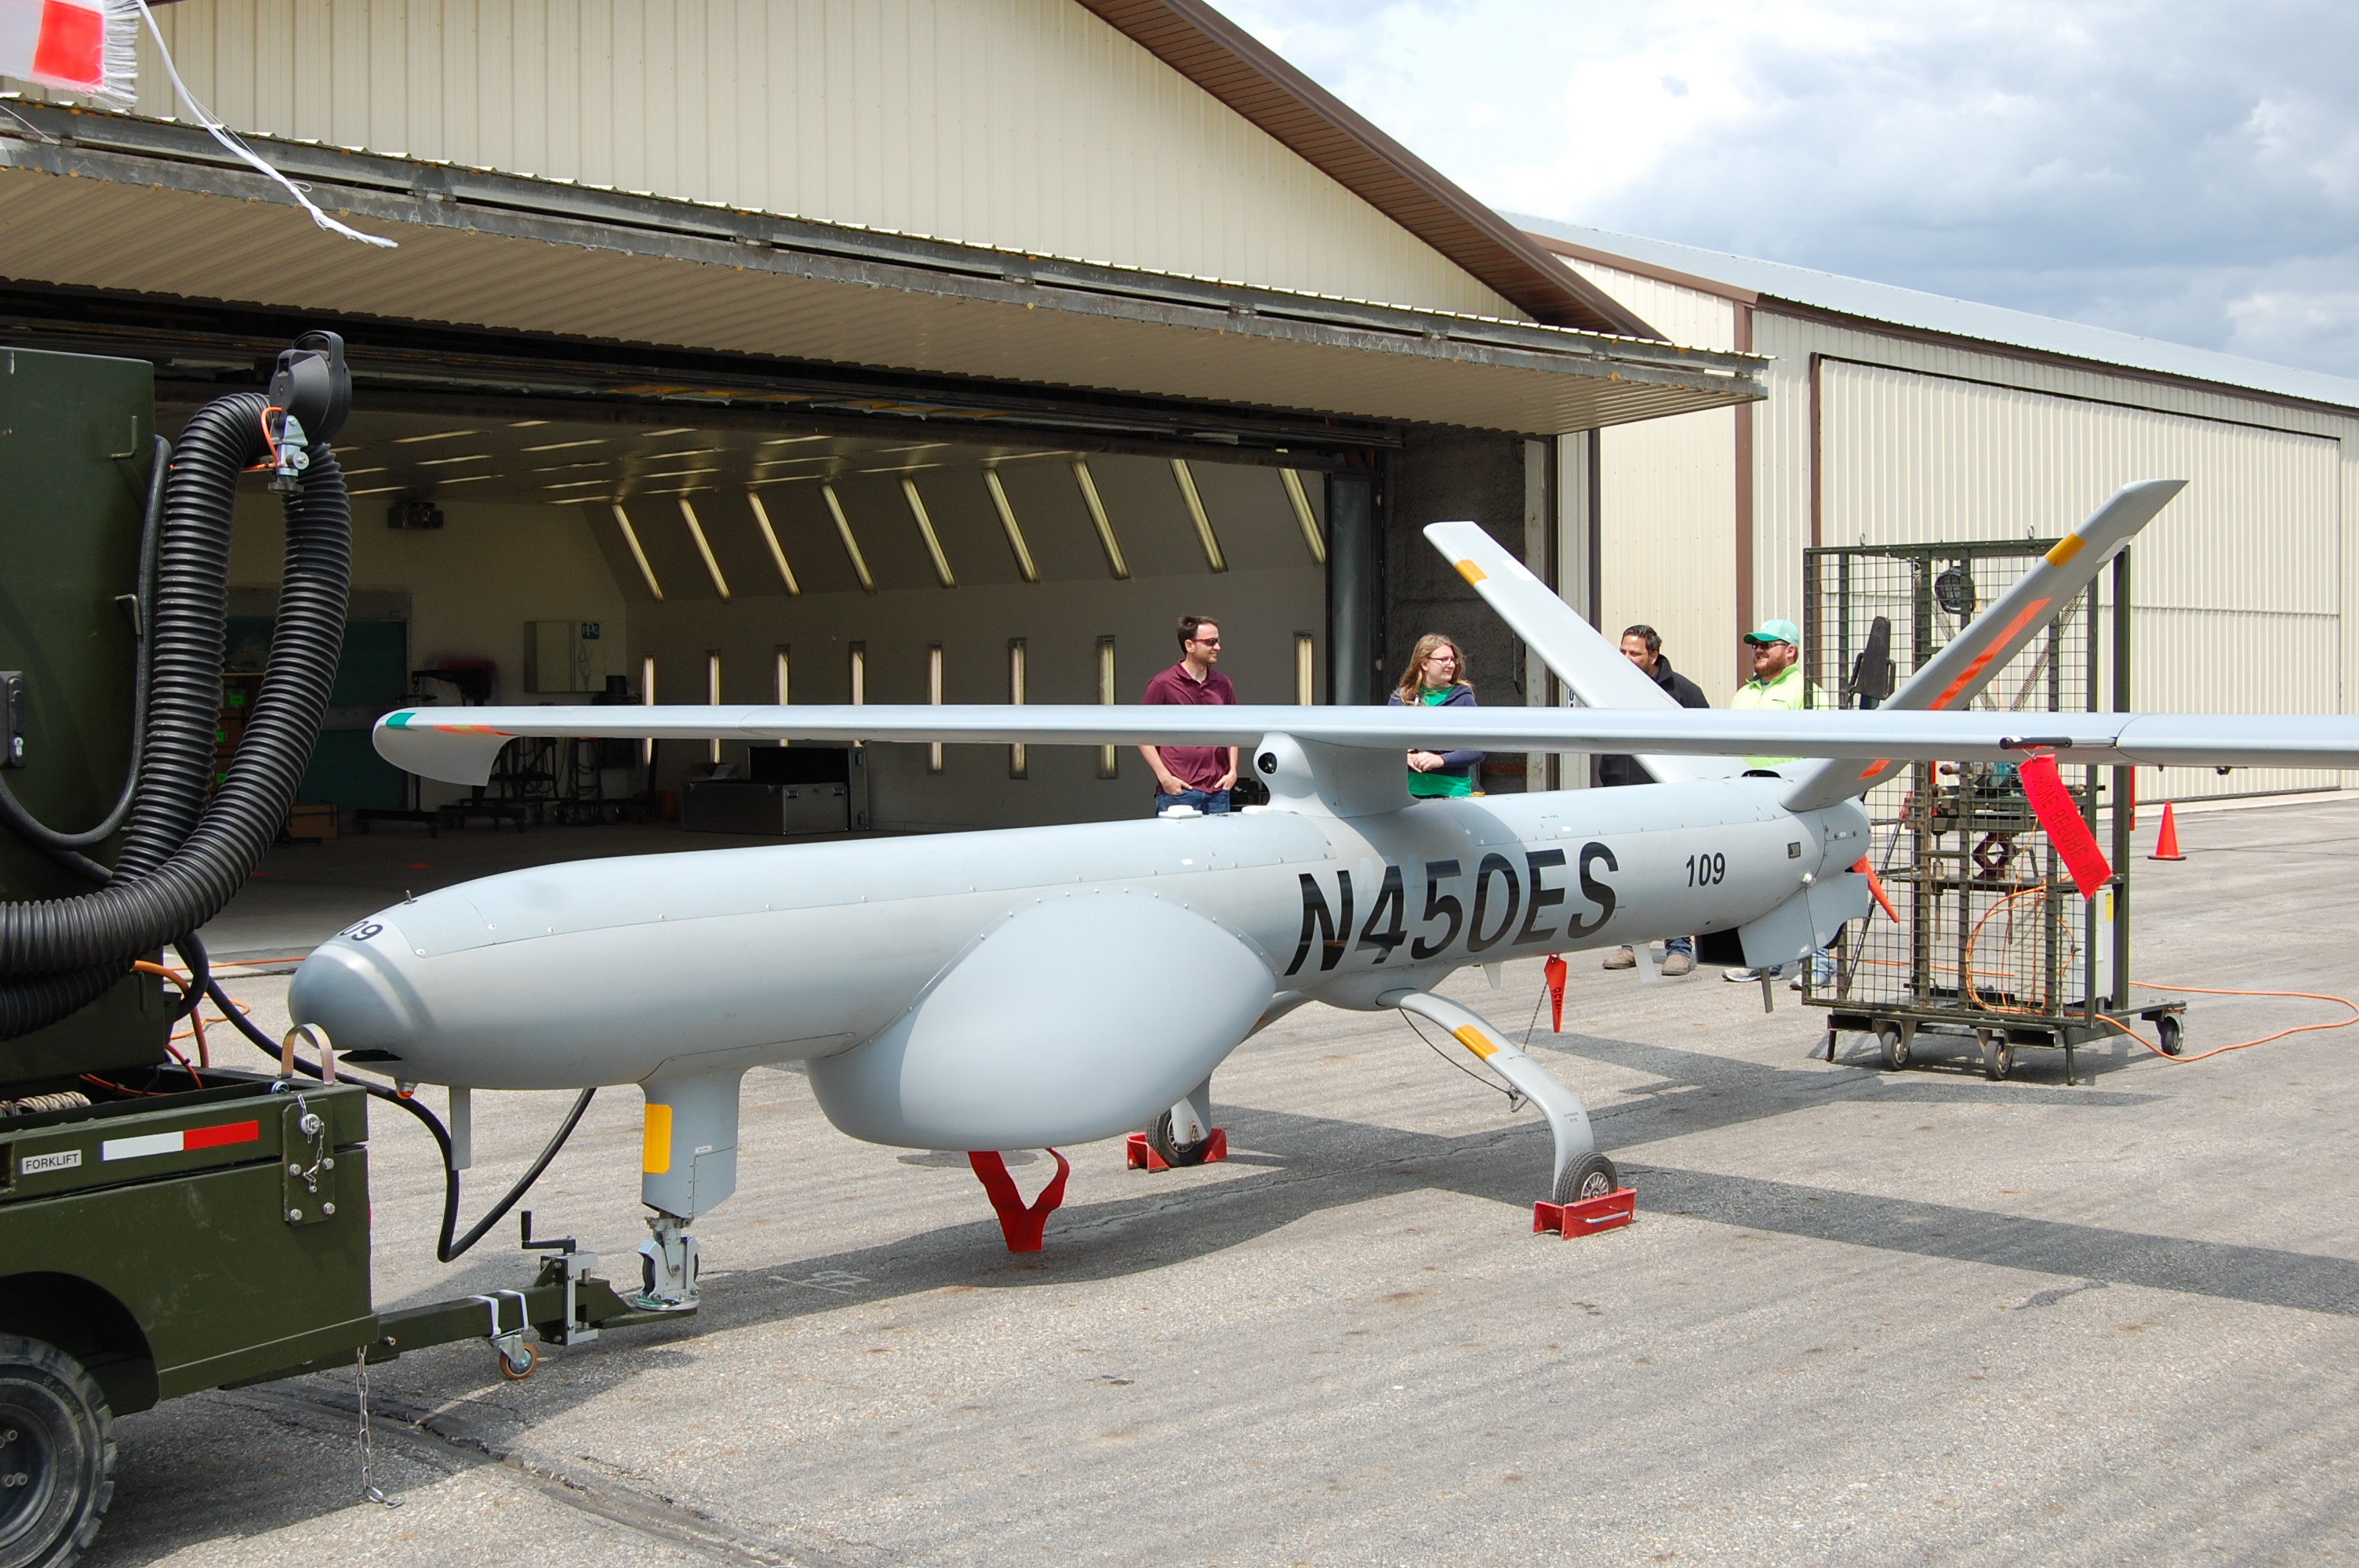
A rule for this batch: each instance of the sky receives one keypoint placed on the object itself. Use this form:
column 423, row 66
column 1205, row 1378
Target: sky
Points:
column 2184, row 169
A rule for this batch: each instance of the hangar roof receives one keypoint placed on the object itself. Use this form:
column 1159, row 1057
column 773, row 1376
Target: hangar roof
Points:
column 130, row 206
column 1234, row 67
column 1150, row 133
column 1748, row 278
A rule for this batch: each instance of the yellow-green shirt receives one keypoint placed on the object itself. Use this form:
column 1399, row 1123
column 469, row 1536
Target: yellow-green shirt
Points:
column 1785, row 691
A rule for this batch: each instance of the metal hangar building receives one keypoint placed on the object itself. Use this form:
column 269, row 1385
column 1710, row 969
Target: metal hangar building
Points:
column 904, row 350
column 1895, row 417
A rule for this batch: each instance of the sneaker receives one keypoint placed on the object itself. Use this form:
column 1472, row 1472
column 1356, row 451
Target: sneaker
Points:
column 1678, row 963
column 1622, row 958
column 1740, row 976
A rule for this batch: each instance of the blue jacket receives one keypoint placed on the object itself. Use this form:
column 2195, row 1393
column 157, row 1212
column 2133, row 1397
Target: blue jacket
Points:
column 1462, row 763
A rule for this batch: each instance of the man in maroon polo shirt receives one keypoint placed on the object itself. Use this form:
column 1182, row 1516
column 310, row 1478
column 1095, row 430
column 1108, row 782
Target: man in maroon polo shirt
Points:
column 1192, row 776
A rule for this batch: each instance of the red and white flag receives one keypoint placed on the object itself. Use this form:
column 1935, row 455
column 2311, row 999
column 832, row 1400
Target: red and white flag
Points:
column 87, row 46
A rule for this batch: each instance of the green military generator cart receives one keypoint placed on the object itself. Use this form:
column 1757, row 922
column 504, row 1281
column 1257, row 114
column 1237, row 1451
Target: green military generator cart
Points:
column 167, row 1227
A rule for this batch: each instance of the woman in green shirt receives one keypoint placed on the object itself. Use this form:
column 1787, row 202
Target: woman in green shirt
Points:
column 1433, row 679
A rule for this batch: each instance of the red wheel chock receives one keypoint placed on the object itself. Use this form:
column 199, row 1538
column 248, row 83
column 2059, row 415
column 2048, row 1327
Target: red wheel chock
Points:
column 1142, row 1156
column 1611, row 1211
column 1019, row 1222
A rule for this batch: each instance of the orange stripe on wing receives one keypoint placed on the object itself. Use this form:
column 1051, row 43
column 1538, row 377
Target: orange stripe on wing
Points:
column 1966, row 677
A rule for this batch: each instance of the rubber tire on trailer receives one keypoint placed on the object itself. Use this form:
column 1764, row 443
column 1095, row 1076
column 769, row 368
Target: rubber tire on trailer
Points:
column 1894, row 1038
column 1174, row 1152
column 1998, row 1055
column 511, row 1370
column 56, row 1434
column 2172, row 1033
column 1590, row 1177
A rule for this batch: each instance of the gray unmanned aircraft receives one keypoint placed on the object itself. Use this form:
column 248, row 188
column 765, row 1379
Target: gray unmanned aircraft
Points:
column 1047, row 986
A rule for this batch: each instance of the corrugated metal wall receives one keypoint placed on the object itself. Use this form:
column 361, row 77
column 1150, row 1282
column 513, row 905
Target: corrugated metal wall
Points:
column 2242, row 587
column 1024, row 123
column 2236, row 589
column 2242, row 591
column 1667, row 499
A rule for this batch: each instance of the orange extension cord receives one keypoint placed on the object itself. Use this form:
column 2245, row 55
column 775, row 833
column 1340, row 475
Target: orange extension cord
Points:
column 2154, row 1046
column 2241, row 1044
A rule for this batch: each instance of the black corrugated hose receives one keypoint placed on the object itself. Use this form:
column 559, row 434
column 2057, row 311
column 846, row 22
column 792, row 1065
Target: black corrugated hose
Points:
column 181, row 860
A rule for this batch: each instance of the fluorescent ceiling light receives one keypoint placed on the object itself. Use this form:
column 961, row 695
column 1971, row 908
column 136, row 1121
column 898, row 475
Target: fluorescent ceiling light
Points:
column 438, row 436
column 560, row 445
column 469, row 458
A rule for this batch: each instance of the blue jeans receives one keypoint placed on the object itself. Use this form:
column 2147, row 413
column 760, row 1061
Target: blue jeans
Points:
column 1679, row 945
column 1210, row 802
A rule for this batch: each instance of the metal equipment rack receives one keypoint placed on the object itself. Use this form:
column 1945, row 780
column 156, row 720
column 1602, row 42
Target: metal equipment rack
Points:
column 1982, row 942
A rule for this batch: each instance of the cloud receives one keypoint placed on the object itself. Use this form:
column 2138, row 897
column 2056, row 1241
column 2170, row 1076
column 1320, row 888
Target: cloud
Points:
column 2184, row 169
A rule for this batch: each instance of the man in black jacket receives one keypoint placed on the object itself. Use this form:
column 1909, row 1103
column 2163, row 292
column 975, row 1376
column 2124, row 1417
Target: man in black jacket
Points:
column 1642, row 646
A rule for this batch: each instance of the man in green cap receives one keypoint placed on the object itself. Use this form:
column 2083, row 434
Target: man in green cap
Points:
column 1777, row 680
column 1779, row 683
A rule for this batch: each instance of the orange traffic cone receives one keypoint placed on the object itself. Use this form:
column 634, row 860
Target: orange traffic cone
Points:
column 2166, row 841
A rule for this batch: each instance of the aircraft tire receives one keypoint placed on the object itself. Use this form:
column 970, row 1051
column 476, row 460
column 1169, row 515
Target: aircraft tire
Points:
column 1173, row 1153
column 1590, row 1177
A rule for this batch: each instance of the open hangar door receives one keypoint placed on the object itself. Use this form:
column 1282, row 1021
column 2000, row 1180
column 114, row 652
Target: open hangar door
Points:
column 711, row 356
column 893, row 547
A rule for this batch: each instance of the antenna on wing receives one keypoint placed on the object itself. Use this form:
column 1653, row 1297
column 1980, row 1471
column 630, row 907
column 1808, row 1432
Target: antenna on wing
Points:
column 1952, row 678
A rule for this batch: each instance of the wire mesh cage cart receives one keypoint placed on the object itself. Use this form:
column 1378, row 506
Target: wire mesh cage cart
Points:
column 1976, row 937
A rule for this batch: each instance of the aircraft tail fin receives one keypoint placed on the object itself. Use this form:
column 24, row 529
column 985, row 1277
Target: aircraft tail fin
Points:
column 1952, row 678
column 1591, row 668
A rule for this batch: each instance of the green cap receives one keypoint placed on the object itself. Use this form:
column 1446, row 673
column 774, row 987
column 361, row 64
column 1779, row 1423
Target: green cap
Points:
column 1776, row 631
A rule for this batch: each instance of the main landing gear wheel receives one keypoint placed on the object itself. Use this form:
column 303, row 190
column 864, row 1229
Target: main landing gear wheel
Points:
column 2174, row 1034
column 57, row 1455
column 1894, row 1038
column 1174, row 1152
column 1998, row 1055
column 1590, row 1177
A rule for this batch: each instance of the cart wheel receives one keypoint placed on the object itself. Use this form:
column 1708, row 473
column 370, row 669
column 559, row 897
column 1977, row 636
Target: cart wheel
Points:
column 2174, row 1036
column 1998, row 1055
column 516, row 1368
column 57, row 1455
column 1590, row 1177
column 1894, row 1038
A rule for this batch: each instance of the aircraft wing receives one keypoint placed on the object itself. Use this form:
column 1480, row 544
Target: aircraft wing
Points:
column 1591, row 668
column 1952, row 678
column 459, row 745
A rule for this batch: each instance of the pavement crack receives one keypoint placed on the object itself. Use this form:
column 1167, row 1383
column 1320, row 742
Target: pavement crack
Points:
column 651, row 1513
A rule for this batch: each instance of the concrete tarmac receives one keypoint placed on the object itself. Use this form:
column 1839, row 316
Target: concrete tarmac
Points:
column 1864, row 1317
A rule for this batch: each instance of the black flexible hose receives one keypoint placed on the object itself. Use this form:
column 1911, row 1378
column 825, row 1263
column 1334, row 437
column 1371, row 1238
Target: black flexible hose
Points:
column 201, row 974
column 32, row 829
column 181, row 860
column 445, row 1250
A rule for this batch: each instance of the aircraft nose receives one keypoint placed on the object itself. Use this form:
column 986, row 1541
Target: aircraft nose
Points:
column 349, row 991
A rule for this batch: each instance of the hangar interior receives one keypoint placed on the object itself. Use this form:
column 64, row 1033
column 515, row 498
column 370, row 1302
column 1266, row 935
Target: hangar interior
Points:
column 752, row 561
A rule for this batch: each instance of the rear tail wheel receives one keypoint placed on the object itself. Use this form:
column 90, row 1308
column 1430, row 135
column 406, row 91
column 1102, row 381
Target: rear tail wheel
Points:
column 1590, row 1177
column 57, row 1455
column 1173, row 1151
